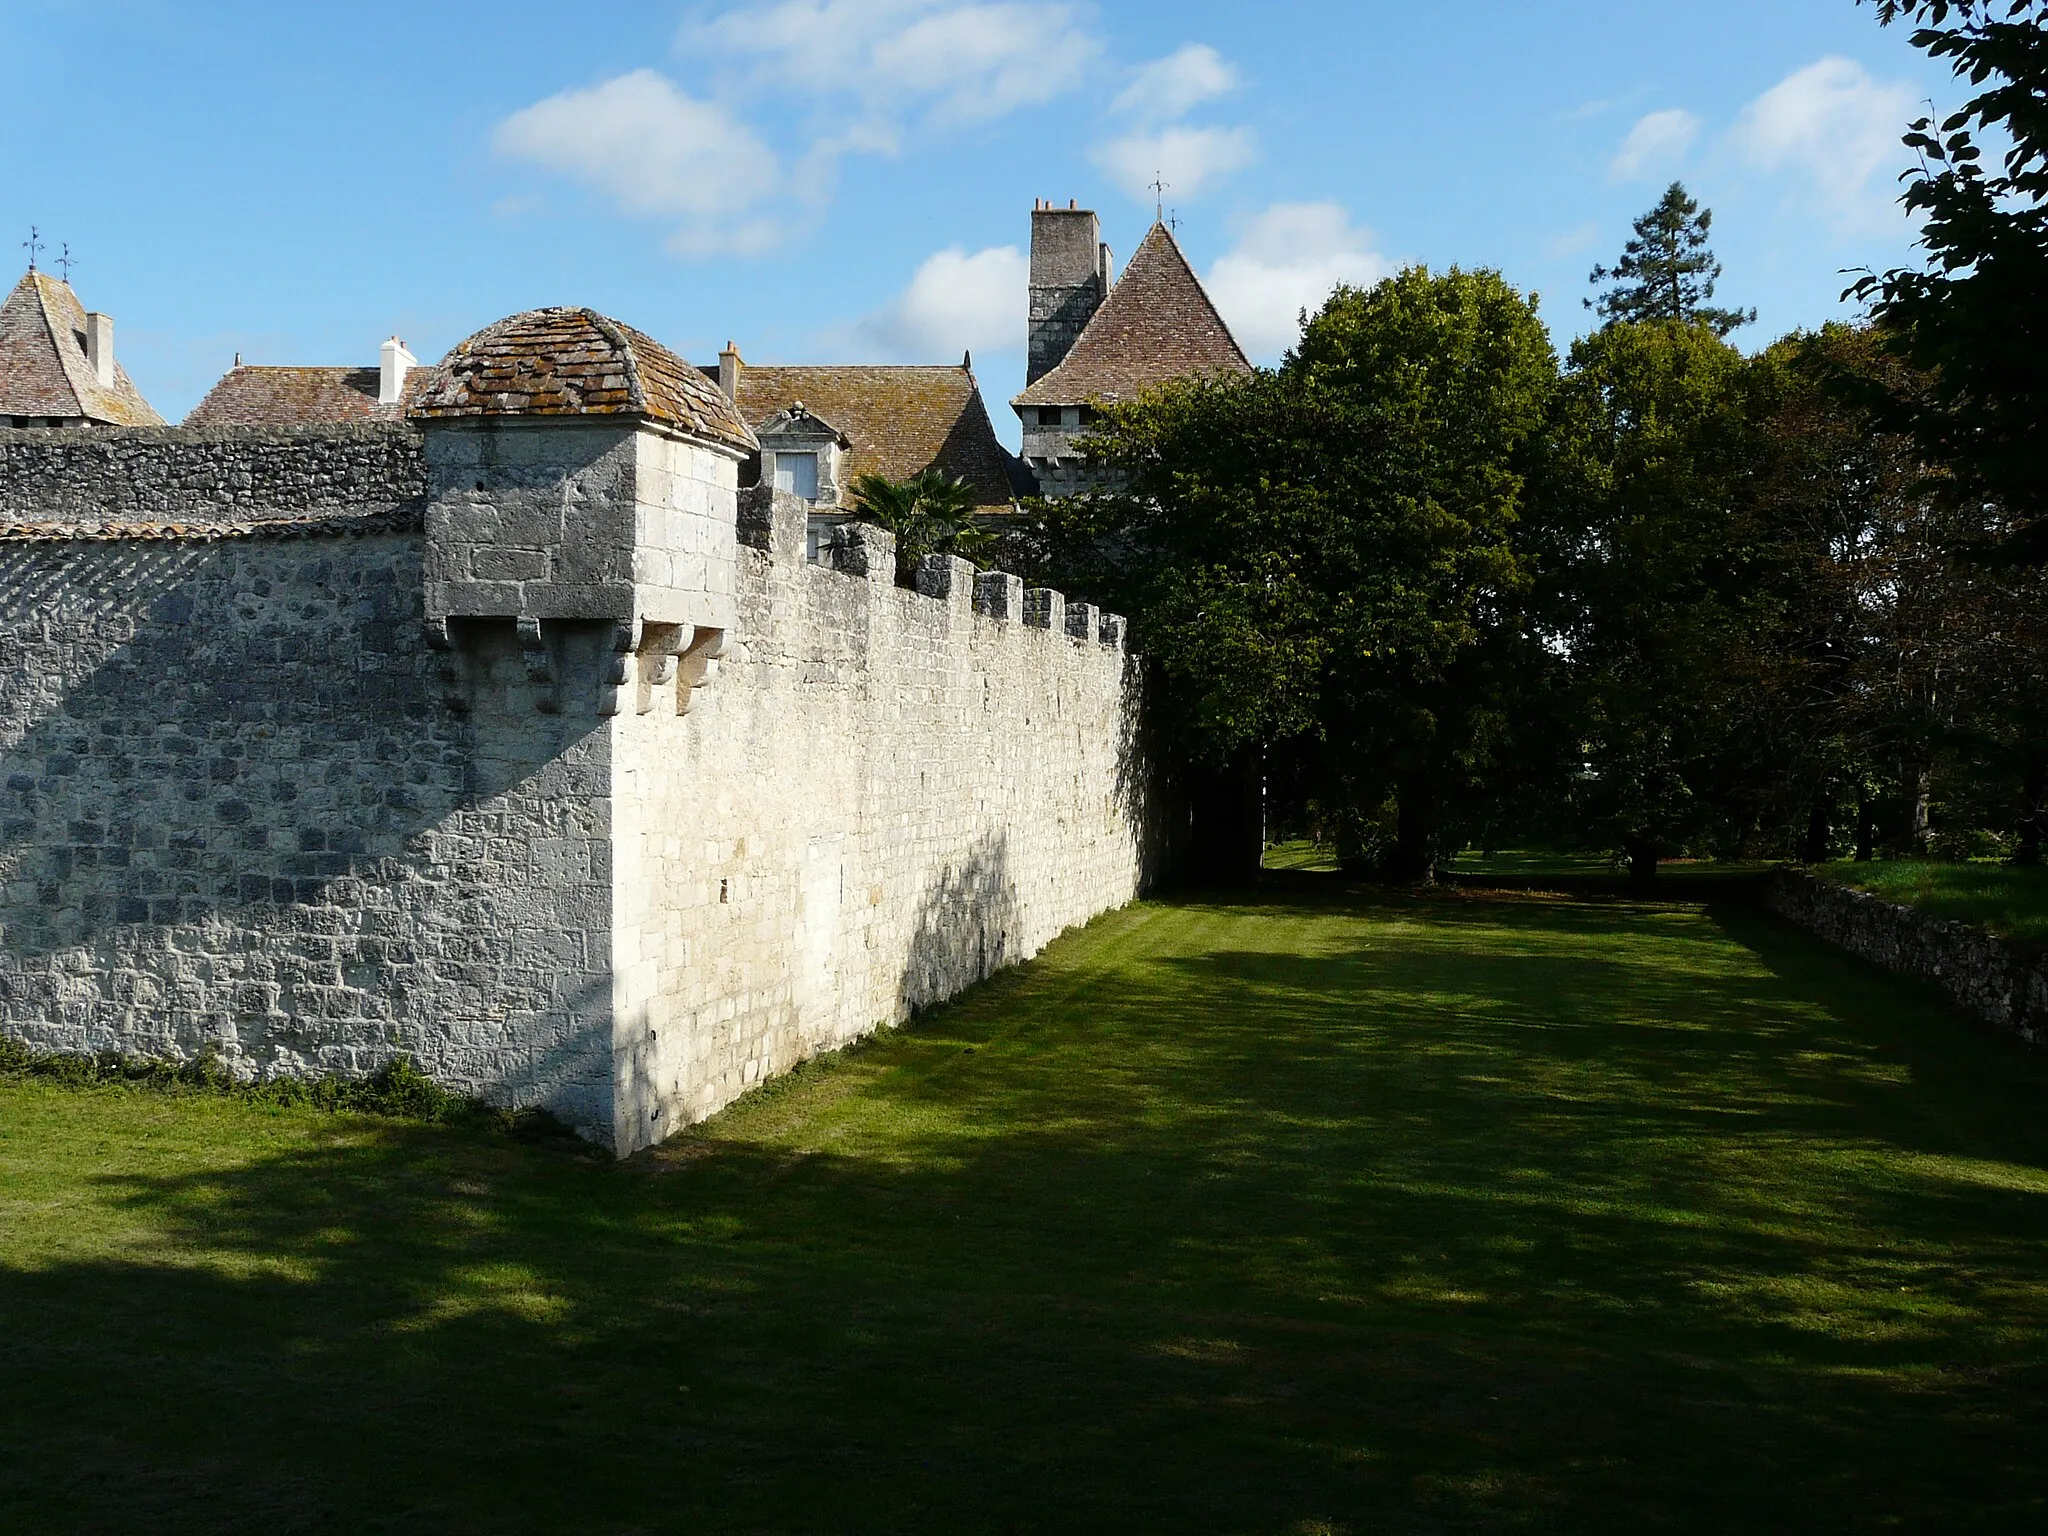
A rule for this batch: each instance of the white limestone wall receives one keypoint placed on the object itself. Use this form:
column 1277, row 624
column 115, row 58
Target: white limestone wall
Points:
column 254, row 804
column 878, row 799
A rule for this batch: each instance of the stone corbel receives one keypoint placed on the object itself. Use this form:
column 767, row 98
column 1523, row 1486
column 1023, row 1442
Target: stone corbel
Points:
column 697, row 665
column 646, row 658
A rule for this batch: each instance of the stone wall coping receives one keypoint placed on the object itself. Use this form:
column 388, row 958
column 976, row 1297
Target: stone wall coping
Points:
column 401, row 519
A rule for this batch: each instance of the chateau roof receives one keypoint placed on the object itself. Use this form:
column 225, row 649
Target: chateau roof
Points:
column 1157, row 325
column 301, row 397
column 576, row 362
column 900, row 420
column 44, row 368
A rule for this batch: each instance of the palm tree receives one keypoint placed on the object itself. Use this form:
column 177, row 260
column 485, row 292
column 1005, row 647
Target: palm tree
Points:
column 931, row 513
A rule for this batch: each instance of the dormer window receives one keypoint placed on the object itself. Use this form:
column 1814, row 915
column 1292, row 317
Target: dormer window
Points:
column 797, row 474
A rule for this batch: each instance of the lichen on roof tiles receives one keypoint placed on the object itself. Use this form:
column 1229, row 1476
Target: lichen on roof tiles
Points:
column 900, row 420
column 576, row 362
column 253, row 396
column 1158, row 324
column 45, row 371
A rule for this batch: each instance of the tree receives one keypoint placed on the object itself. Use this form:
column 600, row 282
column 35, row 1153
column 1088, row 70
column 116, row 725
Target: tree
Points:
column 1667, row 272
column 930, row 513
column 1646, row 567
column 1974, row 322
column 1320, row 560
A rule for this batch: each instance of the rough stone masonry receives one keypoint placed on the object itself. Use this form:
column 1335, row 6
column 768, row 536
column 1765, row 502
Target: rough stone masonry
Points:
column 508, row 739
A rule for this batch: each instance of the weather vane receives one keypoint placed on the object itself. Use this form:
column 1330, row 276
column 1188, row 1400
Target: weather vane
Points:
column 1160, row 187
column 33, row 245
column 67, row 262
column 1173, row 221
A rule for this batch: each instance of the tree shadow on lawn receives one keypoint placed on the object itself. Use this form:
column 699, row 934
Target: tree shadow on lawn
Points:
column 1429, row 1215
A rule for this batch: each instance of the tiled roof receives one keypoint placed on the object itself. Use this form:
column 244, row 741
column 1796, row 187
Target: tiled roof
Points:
column 1156, row 325
column 44, row 368
column 900, row 420
column 301, row 397
column 576, row 362
column 402, row 519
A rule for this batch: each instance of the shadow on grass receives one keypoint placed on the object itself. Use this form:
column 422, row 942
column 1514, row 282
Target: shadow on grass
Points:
column 1287, row 1213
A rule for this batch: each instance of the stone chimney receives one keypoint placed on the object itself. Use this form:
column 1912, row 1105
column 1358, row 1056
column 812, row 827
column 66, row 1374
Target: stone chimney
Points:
column 729, row 365
column 394, row 363
column 99, row 347
column 1070, row 277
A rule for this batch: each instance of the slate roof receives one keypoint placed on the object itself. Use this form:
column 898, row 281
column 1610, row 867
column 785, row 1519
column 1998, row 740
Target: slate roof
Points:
column 250, row 396
column 44, row 369
column 1157, row 325
column 576, row 362
column 900, row 420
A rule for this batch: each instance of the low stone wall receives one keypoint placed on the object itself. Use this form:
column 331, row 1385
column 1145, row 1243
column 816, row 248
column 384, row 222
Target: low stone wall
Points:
column 201, row 476
column 2003, row 983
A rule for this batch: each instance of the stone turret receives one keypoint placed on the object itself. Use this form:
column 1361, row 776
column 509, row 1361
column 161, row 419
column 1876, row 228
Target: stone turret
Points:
column 580, row 472
column 1070, row 277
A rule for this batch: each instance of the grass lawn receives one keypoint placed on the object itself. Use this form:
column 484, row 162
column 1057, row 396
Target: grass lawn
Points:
column 1316, row 1213
column 2006, row 900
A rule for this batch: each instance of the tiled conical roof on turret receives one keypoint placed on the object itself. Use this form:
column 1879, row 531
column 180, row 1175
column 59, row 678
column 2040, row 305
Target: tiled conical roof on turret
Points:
column 46, row 365
column 1156, row 325
column 576, row 362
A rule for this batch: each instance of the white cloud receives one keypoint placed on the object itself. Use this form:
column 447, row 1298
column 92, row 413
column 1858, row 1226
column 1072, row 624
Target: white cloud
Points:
column 957, row 63
column 1186, row 159
column 1289, row 259
column 1656, row 146
column 1167, row 89
column 1572, row 242
column 654, row 151
column 957, row 302
column 1837, row 127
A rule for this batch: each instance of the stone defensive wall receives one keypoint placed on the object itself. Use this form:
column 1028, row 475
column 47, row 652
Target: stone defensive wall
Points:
column 521, row 747
column 186, row 477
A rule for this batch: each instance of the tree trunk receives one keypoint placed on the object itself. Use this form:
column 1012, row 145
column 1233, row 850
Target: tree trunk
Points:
column 1820, row 829
column 1866, row 826
column 1413, row 861
column 1642, row 863
column 1917, row 786
column 2034, row 790
column 1227, row 822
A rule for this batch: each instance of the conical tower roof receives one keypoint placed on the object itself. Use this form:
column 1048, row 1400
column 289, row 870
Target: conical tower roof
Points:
column 1157, row 325
column 45, row 369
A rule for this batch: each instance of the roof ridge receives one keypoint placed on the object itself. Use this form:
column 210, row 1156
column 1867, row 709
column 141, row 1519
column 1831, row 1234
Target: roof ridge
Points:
column 64, row 358
column 615, row 332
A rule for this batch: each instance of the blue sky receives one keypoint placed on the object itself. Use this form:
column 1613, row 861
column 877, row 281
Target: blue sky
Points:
column 852, row 180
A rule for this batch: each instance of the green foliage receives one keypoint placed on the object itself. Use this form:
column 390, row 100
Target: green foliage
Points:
column 1973, row 323
column 931, row 513
column 1423, row 1214
column 1667, row 271
column 1648, row 571
column 1320, row 560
